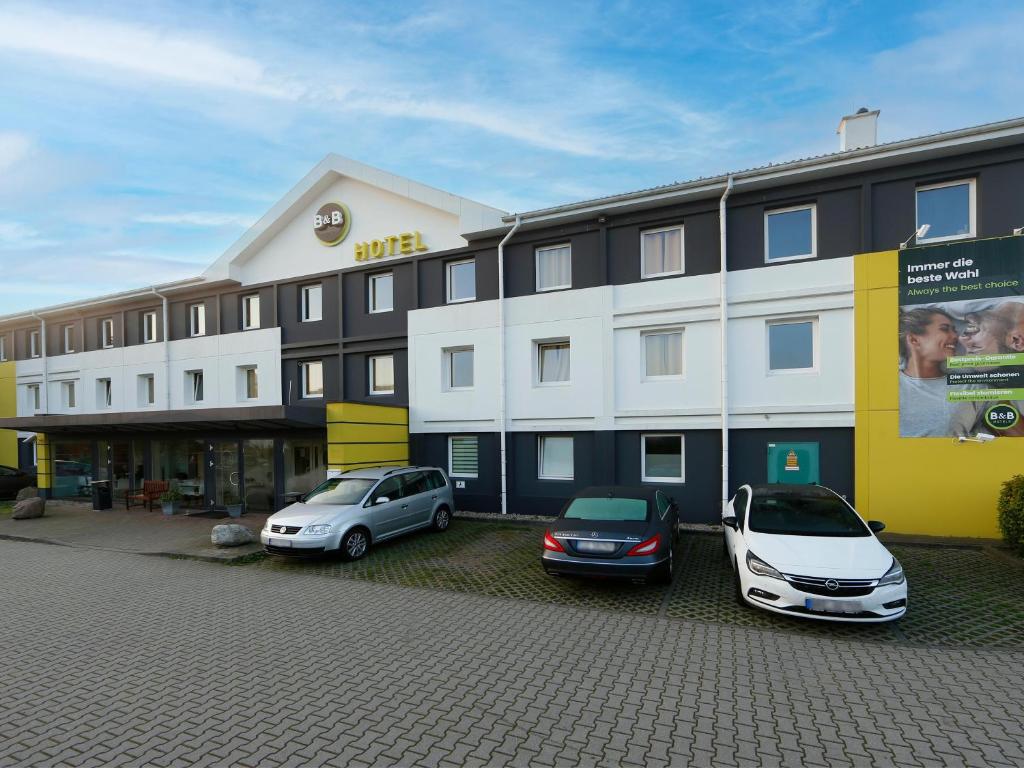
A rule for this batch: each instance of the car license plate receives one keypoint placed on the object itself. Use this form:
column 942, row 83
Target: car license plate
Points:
column 597, row 547
column 280, row 543
column 833, row 606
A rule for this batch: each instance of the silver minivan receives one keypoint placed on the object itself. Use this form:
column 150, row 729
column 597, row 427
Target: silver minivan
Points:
column 348, row 513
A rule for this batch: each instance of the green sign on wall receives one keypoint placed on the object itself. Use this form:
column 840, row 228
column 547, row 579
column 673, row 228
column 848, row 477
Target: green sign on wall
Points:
column 794, row 463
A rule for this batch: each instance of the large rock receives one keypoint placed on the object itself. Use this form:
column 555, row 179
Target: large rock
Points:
column 27, row 493
column 26, row 509
column 231, row 535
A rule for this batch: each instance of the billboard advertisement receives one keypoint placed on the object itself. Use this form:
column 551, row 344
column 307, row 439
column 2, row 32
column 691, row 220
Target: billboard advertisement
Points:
column 961, row 339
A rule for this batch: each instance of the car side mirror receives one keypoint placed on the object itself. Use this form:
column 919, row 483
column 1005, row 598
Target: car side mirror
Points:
column 381, row 500
column 730, row 521
column 876, row 526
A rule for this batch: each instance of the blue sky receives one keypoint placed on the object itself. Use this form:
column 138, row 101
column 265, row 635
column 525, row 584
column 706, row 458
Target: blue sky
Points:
column 137, row 141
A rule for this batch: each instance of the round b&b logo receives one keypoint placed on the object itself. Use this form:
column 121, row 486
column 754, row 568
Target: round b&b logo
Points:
column 1002, row 416
column 331, row 223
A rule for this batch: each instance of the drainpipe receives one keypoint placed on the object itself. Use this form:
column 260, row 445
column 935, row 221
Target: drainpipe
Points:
column 501, row 360
column 167, row 350
column 45, row 402
column 723, row 323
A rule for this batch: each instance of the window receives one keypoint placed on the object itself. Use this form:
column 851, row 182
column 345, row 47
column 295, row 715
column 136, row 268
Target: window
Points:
column 3, row 348
column 104, row 393
column 312, row 303
column 149, row 327
column 107, row 332
column 739, row 506
column 554, row 268
column 250, row 312
column 197, row 320
column 554, row 458
column 663, row 502
column 463, row 456
column 33, row 397
column 461, row 280
column 194, row 381
column 382, row 375
column 147, row 389
column 33, row 344
column 948, row 209
column 459, row 368
column 68, row 392
column 250, row 383
column 382, row 292
column 792, row 346
column 662, row 459
column 553, row 362
column 790, row 233
column 663, row 354
column 69, row 338
column 313, row 379
column 661, row 252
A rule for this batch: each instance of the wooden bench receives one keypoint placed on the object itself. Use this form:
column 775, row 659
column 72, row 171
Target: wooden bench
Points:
column 151, row 492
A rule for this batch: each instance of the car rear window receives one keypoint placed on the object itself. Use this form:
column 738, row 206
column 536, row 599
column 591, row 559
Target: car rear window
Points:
column 606, row 509
column 340, row 490
column 793, row 515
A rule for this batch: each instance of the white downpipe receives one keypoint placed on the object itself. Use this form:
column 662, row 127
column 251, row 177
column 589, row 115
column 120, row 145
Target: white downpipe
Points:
column 501, row 361
column 44, row 404
column 167, row 351
column 723, row 325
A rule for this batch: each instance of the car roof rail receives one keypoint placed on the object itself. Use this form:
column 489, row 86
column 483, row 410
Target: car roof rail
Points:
column 399, row 469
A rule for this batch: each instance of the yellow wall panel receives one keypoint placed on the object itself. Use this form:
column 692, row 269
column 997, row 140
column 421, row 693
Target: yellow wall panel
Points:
column 364, row 453
column 8, row 408
column 365, row 413
column 43, row 459
column 360, row 435
column 367, row 433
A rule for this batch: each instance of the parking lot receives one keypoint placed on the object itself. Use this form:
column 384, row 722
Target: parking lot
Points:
column 959, row 595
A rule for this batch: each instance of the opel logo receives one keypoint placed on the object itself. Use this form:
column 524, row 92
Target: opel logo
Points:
column 832, row 584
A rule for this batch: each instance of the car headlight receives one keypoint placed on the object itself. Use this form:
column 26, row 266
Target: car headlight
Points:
column 893, row 576
column 316, row 530
column 761, row 568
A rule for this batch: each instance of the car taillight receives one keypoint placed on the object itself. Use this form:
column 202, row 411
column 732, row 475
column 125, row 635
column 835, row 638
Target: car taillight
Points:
column 550, row 542
column 648, row 547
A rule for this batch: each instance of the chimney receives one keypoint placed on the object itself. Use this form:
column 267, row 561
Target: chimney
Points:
column 858, row 130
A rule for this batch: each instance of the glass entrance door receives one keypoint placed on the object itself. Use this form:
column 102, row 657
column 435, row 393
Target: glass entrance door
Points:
column 258, row 463
column 227, row 482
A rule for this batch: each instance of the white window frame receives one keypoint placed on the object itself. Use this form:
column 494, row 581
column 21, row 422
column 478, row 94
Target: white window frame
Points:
column 448, row 281
column 540, row 457
column 105, row 395
column 69, row 397
column 107, row 340
column 190, row 379
column 304, row 371
column 813, row 208
column 34, row 344
column 35, row 401
column 248, row 301
column 372, row 293
column 146, row 338
column 371, row 377
column 538, row 355
column 146, row 390
column 253, row 371
column 449, row 370
column 451, row 466
column 682, row 252
column 682, row 458
column 972, row 213
column 307, row 310
column 197, row 320
column 682, row 353
column 815, row 346
column 69, row 339
column 3, row 349
column 536, row 267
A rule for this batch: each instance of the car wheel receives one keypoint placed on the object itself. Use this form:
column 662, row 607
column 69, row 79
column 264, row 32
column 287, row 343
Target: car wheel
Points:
column 442, row 519
column 354, row 544
column 739, row 589
column 666, row 571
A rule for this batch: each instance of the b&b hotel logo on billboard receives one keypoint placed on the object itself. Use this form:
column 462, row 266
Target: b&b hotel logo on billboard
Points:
column 961, row 339
column 331, row 223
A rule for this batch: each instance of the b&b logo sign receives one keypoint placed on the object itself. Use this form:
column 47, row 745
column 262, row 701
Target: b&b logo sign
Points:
column 331, row 223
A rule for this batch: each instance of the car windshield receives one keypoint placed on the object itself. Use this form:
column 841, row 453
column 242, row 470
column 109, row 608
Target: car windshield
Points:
column 607, row 509
column 794, row 515
column 340, row 490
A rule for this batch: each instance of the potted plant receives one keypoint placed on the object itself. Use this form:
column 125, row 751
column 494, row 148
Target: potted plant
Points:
column 232, row 503
column 170, row 500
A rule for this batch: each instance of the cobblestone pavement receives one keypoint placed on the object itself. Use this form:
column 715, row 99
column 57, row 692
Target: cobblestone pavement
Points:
column 113, row 659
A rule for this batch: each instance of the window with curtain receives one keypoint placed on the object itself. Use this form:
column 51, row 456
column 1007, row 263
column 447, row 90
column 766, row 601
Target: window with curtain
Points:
column 662, row 252
column 554, row 268
column 663, row 353
column 463, row 456
column 554, row 457
column 553, row 362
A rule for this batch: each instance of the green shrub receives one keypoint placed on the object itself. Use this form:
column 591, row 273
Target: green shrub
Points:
column 1011, row 512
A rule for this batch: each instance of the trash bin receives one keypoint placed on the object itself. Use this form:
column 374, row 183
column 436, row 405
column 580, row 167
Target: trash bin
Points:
column 101, row 496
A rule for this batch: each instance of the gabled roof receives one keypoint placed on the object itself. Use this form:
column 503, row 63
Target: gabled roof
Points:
column 473, row 216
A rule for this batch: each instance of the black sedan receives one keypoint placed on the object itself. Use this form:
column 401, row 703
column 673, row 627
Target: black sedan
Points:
column 13, row 480
column 614, row 531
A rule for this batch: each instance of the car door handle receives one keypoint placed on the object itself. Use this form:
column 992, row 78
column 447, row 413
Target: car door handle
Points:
column 434, row 498
column 405, row 506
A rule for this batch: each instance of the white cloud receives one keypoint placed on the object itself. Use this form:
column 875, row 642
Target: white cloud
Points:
column 197, row 219
column 14, row 147
column 17, row 236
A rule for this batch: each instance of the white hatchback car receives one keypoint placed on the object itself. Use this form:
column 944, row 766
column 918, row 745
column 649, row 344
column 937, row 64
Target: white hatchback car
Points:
column 802, row 550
